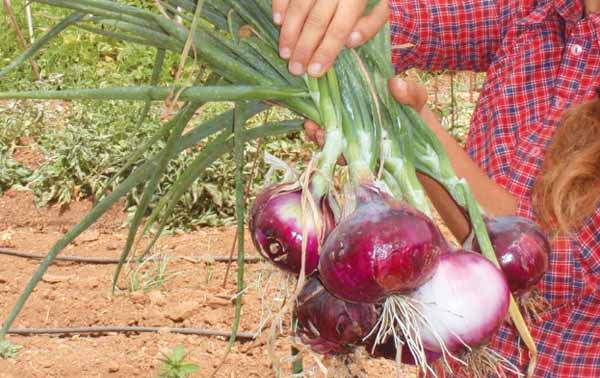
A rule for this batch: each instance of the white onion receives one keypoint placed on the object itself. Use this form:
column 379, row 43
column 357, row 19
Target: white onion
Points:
column 464, row 302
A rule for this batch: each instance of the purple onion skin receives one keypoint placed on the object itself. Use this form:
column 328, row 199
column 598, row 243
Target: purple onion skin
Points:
column 521, row 248
column 383, row 248
column 466, row 299
column 276, row 229
column 387, row 350
column 328, row 324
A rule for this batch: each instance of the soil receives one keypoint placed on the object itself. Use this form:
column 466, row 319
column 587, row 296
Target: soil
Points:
column 78, row 295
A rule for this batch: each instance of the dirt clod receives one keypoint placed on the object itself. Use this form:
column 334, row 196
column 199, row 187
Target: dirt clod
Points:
column 183, row 311
column 88, row 236
column 157, row 298
column 217, row 301
column 139, row 298
column 52, row 279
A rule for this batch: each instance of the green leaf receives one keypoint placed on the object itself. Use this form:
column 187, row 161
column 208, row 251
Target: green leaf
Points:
column 215, row 193
column 180, row 121
column 43, row 41
column 178, row 354
column 151, row 93
column 239, row 130
column 188, row 368
column 8, row 350
column 158, row 64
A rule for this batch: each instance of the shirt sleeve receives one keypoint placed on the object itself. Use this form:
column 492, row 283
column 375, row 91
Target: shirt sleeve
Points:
column 450, row 34
column 589, row 240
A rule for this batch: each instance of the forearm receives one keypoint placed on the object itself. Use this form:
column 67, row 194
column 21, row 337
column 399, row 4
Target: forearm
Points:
column 493, row 198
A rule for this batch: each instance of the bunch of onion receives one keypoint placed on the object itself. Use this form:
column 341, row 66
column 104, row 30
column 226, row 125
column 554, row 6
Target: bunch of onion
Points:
column 383, row 143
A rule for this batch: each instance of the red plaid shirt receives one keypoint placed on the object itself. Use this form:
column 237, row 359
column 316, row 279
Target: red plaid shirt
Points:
column 541, row 57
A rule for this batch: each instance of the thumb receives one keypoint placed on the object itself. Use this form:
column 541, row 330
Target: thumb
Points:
column 408, row 92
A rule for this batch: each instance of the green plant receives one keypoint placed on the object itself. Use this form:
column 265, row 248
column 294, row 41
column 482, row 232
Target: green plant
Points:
column 12, row 174
column 8, row 350
column 150, row 273
column 174, row 364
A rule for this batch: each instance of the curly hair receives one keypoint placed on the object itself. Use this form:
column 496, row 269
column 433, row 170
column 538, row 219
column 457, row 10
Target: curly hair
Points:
column 567, row 191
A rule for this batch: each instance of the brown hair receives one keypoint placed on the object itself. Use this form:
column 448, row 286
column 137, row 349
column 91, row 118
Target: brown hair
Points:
column 568, row 189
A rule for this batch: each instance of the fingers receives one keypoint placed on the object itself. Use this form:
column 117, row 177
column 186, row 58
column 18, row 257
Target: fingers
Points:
column 295, row 16
column 314, row 133
column 317, row 135
column 310, row 130
column 368, row 26
column 315, row 27
column 279, row 10
column 314, row 31
column 346, row 16
column 320, row 135
column 408, row 92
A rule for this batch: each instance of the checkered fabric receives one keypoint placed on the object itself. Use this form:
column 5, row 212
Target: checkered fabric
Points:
column 541, row 57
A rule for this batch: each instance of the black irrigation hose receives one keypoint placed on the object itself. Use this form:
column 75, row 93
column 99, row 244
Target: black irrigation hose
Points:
column 133, row 329
column 106, row 261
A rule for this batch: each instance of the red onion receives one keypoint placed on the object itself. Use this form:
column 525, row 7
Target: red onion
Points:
column 382, row 248
column 521, row 248
column 328, row 324
column 276, row 228
column 464, row 302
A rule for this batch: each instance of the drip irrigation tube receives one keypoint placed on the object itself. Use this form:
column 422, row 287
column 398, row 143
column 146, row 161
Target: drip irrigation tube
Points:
column 133, row 329
column 107, row 261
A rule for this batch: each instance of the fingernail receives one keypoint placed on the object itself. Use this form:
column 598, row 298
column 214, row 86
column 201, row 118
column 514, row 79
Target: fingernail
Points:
column 314, row 69
column 277, row 18
column 296, row 68
column 354, row 39
column 285, row 52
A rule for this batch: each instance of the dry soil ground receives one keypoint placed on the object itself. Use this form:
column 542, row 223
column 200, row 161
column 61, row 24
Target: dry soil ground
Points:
column 78, row 295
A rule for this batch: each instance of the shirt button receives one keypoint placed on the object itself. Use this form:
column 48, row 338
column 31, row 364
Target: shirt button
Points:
column 535, row 152
column 576, row 50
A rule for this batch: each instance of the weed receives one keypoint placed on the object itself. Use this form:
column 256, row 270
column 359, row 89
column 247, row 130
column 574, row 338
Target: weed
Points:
column 8, row 350
column 150, row 273
column 174, row 364
column 12, row 174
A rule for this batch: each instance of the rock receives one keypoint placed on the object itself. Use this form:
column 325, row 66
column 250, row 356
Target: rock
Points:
column 157, row 298
column 89, row 236
column 152, row 315
column 49, row 294
column 183, row 311
column 113, row 367
column 52, row 279
column 249, row 347
column 113, row 246
column 216, row 302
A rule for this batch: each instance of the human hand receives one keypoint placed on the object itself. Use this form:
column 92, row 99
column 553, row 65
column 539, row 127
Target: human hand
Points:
column 406, row 92
column 313, row 32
